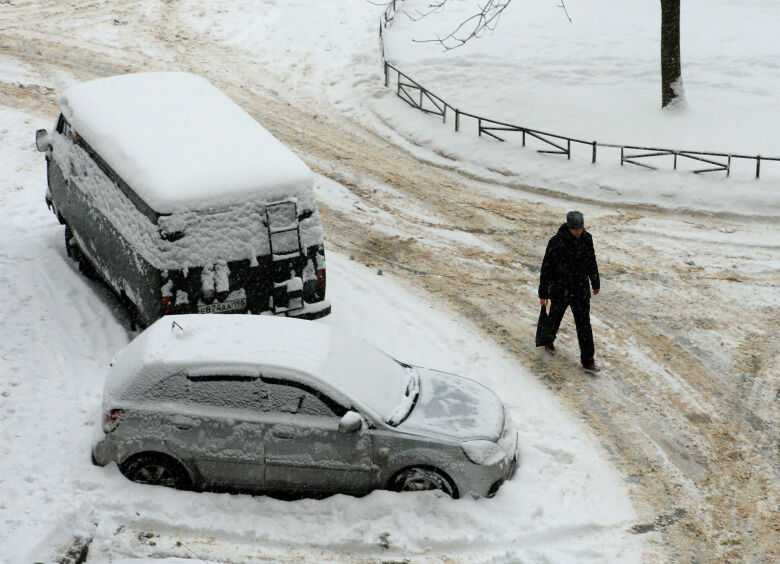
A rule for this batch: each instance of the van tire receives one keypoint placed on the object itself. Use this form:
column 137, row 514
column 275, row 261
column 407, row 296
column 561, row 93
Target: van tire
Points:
column 136, row 321
column 68, row 245
column 75, row 252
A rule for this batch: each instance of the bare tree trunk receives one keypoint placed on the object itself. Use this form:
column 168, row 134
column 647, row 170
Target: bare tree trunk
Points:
column 671, row 73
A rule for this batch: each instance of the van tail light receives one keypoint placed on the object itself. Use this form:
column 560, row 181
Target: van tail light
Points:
column 321, row 279
column 111, row 419
column 167, row 305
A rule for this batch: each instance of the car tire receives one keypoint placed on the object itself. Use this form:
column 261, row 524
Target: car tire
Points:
column 418, row 479
column 156, row 470
column 74, row 252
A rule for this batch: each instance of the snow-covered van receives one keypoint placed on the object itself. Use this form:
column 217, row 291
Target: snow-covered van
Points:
column 181, row 202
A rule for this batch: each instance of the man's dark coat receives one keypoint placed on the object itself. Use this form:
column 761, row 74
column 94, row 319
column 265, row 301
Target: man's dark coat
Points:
column 569, row 270
column 569, row 263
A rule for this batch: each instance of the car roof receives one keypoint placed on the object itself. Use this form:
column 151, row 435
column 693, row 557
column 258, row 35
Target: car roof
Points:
column 180, row 143
column 179, row 341
column 321, row 354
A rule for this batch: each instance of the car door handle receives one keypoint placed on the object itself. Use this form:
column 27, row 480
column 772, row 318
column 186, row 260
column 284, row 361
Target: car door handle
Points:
column 182, row 423
column 283, row 434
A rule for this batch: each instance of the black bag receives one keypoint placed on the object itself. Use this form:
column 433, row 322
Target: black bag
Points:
column 541, row 328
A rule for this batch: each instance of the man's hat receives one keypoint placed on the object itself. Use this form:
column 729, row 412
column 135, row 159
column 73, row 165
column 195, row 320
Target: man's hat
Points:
column 574, row 220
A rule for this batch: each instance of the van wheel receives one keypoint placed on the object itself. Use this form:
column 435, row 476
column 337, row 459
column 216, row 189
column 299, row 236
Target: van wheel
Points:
column 68, row 244
column 156, row 470
column 74, row 252
column 419, row 479
column 136, row 322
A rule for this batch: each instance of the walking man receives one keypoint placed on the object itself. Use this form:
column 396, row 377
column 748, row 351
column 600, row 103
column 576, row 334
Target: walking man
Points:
column 569, row 271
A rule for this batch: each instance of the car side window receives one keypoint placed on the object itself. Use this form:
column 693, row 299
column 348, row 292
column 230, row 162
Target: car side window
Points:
column 243, row 392
column 283, row 398
column 172, row 388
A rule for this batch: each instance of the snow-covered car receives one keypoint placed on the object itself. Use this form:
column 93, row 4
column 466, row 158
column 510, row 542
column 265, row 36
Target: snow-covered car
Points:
column 181, row 202
column 263, row 403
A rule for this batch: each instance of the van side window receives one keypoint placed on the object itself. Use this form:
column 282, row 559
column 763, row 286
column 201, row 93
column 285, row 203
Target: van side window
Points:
column 63, row 126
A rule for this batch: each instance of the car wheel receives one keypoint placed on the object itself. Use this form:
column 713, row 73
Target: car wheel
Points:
column 419, row 479
column 156, row 470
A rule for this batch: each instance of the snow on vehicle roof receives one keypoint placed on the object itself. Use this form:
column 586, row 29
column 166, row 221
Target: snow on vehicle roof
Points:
column 187, row 342
column 180, row 143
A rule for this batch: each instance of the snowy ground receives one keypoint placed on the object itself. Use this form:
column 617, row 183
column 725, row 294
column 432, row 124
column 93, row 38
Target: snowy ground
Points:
column 684, row 412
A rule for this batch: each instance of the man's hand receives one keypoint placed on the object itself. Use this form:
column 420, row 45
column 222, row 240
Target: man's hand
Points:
column 596, row 291
column 543, row 301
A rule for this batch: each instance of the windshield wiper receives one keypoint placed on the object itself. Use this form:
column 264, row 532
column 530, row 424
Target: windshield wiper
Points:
column 409, row 400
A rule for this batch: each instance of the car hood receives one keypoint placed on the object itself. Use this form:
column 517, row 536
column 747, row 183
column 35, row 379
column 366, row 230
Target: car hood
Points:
column 454, row 407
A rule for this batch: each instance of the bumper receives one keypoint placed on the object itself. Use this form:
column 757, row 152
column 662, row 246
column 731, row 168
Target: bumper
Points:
column 311, row 310
column 104, row 451
column 486, row 480
column 509, row 475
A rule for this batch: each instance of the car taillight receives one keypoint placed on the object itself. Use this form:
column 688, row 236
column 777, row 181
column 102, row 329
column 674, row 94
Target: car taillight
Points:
column 167, row 305
column 111, row 419
column 321, row 279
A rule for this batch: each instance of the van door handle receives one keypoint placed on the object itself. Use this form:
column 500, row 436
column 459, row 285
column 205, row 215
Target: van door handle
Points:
column 283, row 434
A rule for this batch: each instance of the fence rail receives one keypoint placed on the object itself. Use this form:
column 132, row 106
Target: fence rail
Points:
column 419, row 97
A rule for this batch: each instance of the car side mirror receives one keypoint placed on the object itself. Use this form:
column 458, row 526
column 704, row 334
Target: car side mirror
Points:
column 42, row 141
column 350, row 423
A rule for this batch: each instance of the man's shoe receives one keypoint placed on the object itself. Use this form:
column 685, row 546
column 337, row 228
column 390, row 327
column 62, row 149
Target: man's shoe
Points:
column 550, row 349
column 591, row 368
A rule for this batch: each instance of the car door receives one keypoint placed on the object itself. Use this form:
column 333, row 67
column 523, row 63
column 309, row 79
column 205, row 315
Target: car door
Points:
column 219, row 429
column 304, row 450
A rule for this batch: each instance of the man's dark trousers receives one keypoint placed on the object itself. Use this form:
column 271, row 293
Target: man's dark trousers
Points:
column 579, row 302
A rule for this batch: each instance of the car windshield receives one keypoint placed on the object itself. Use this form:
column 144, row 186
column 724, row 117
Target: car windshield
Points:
column 371, row 377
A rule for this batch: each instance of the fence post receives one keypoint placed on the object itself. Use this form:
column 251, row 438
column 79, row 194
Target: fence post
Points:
column 444, row 114
column 758, row 166
column 457, row 119
column 479, row 126
column 524, row 138
column 621, row 156
column 594, row 153
column 728, row 167
column 387, row 75
column 675, row 160
column 568, row 149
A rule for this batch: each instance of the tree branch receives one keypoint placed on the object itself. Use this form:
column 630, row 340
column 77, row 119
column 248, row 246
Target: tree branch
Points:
column 474, row 26
column 565, row 11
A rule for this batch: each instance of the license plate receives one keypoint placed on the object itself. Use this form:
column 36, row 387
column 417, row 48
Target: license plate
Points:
column 223, row 307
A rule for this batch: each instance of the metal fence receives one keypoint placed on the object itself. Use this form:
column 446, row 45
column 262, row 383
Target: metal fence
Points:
column 419, row 97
